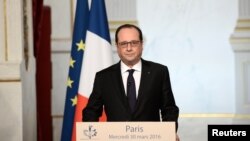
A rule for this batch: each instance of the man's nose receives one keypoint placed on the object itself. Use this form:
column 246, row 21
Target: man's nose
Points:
column 129, row 47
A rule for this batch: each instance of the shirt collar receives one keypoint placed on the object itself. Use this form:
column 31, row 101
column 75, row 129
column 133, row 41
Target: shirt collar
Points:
column 136, row 67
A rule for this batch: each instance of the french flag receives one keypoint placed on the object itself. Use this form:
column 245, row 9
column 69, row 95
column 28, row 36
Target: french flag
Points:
column 97, row 56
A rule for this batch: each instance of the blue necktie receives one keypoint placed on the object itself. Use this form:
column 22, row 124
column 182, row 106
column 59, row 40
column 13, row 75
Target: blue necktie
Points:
column 131, row 92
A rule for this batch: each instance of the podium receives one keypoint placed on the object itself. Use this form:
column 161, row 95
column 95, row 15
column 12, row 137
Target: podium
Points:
column 125, row 131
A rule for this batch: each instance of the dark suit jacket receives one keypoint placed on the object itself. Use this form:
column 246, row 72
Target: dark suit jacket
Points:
column 155, row 94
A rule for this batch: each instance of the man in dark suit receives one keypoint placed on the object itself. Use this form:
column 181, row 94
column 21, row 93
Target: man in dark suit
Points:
column 143, row 95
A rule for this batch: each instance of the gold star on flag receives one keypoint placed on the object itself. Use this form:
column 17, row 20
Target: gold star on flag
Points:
column 69, row 82
column 74, row 101
column 80, row 46
column 71, row 62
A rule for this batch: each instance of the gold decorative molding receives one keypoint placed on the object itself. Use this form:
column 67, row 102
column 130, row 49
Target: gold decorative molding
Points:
column 11, row 80
column 122, row 22
column 243, row 25
column 61, row 51
column 5, row 29
column 72, row 9
column 57, row 116
column 240, row 40
column 242, row 29
column 25, row 34
column 243, row 21
column 238, row 116
column 61, row 39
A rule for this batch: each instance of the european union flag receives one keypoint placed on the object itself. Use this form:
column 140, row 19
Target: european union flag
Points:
column 76, row 58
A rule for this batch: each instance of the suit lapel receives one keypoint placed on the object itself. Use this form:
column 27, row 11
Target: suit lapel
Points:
column 145, row 77
column 117, row 78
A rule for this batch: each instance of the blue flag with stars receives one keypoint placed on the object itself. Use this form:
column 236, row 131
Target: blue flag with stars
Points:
column 76, row 58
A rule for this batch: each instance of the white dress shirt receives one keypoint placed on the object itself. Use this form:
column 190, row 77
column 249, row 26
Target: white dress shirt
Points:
column 137, row 75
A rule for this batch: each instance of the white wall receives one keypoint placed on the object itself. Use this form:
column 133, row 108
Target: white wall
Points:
column 192, row 37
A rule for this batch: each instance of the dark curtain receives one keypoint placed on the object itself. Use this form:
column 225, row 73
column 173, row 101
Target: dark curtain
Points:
column 42, row 53
column 37, row 6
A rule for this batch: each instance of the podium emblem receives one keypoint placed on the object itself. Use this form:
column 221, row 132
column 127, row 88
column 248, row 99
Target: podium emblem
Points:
column 90, row 132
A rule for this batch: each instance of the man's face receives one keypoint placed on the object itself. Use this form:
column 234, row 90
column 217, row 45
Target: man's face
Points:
column 129, row 46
